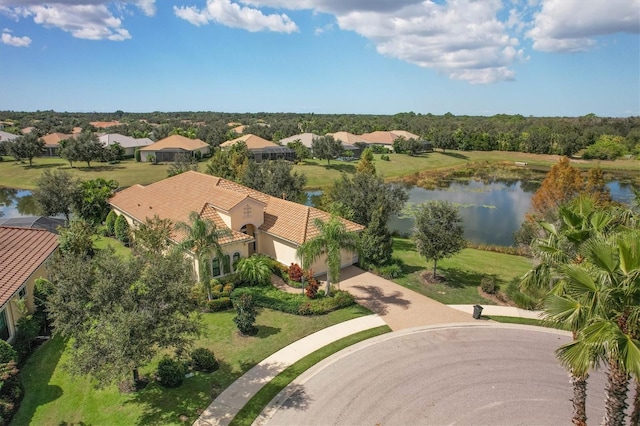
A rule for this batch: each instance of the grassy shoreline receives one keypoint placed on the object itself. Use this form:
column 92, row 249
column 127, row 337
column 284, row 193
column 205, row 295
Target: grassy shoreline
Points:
column 319, row 175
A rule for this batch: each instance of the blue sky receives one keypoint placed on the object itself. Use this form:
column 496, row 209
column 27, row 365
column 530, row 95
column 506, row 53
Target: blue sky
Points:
column 530, row 57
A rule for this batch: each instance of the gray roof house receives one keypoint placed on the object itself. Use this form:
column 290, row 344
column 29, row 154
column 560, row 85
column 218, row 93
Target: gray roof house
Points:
column 6, row 136
column 307, row 140
column 128, row 143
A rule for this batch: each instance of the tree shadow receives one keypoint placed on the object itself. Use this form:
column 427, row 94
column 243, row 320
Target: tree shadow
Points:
column 36, row 375
column 455, row 155
column 458, row 278
column 100, row 168
column 185, row 403
column 265, row 331
column 377, row 301
column 298, row 399
column 43, row 166
column 403, row 244
column 344, row 168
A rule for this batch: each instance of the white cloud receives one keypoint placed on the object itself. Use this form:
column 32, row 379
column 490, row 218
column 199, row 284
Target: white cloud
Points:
column 233, row 15
column 571, row 25
column 86, row 19
column 13, row 40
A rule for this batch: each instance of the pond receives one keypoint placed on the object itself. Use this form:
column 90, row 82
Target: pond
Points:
column 491, row 212
column 16, row 203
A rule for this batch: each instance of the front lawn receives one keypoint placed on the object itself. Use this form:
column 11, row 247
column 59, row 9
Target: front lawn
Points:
column 54, row 397
column 463, row 272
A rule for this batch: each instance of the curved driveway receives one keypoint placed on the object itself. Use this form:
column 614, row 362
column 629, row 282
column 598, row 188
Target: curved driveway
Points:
column 477, row 374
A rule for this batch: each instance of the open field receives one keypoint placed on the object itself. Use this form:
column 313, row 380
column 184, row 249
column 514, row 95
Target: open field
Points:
column 463, row 272
column 319, row 175
column 54, row 397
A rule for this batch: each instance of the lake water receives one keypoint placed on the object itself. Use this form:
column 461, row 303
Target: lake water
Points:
column 491, row 212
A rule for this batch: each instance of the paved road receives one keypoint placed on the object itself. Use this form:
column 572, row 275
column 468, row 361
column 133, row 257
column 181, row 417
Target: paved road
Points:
column 485, row 374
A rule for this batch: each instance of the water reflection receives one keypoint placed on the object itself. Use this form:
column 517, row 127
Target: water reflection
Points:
column 16, row 203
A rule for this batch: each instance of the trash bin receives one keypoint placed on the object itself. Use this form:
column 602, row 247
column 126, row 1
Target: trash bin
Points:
column 477, row 311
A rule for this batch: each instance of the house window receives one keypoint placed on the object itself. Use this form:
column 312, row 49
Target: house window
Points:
column 236, row 258
column 215, row 267
column 4, row 327
column 22, row 294
column 226, row 264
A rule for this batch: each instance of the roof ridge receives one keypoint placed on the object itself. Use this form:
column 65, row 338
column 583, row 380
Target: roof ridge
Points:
column 306, row 225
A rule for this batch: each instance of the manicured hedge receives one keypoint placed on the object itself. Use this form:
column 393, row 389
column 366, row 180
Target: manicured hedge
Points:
column 296, row 304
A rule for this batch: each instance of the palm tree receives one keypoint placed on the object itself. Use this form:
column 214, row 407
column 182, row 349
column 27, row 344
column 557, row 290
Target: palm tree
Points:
column 202, row 239
column 578, row 221
column 255, row 270
column 607, row 284
column 332, row 238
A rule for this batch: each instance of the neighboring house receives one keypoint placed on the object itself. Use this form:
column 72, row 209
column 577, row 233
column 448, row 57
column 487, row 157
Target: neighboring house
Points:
column 384, row 138
column 23, row 253
column 52, row 143
column 128, row 143
column 256, row 222
column 104, row 124
column 6, row 137
column 307, row 140
column 34, row 222
column 262, row 149
column 165, row 150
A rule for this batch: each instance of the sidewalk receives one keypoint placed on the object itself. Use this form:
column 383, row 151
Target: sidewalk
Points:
column 502, row 311
column 222, row 410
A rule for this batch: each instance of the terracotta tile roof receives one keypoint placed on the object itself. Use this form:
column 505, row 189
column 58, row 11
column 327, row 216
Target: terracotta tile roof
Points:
column 104, row 124
column 305, row 138
column 232, row 236
column 22, row 251
column 53, row 139
column 177, row 196
column 387, row 138
column 347, row 138
column 252, row 141
column 176, row 141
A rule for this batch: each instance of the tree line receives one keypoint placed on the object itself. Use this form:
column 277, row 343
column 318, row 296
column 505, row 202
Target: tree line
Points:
column 541, row 135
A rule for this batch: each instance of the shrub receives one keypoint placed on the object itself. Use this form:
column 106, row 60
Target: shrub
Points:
column 295, row 272
column 245, row 314
column 519, row 298
column 311, row 286
column 136, row 154
column 171, row 372
column 489, row 285
column 227, row 289
column 202, row 359
column 385, row 157
column 11, row 391
column 280, row 270
column 216, row 287
column 7, row 353
column 219, row 304
column 296, row 304
column 389, row 271
column 122, row 230
column 110, row 223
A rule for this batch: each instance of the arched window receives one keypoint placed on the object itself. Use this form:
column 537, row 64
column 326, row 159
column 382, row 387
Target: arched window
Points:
column 236, row 258
column 226, row 264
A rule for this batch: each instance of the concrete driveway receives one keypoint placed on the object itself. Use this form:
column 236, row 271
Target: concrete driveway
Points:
column 476, row 374
column 399, row 307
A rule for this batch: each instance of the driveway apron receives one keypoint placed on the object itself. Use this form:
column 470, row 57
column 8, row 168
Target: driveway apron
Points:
column 399, row 307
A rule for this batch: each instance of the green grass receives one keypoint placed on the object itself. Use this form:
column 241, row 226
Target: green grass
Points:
column 54, row 397
column 128, row 172
column 518, row 320
column 254, row 407
column 102, row 242
column 463, row 272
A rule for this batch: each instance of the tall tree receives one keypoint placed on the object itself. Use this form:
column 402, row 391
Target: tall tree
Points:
column 326, row 148
column 365, row 165
column 276, row 178
column 69, row 150
column 56, row 193
column 183, row 162
column 562, row 183
column 201, row 237
column 152, row 236
column 437, row 231
column 332, row 238
column 89, row 148
column 302, row 152
column 121, row 312
column 93, row 201
column 27, row 146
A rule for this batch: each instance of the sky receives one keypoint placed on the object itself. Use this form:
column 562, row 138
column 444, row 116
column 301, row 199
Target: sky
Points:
column 485, row 57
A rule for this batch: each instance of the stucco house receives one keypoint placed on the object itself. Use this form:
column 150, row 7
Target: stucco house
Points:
column 127, row 142
column 52, row 143
column 23, row 253
column 256, row 222
column 262, row 149
column 165, row 150
column 307, row 140
column 386, row 138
